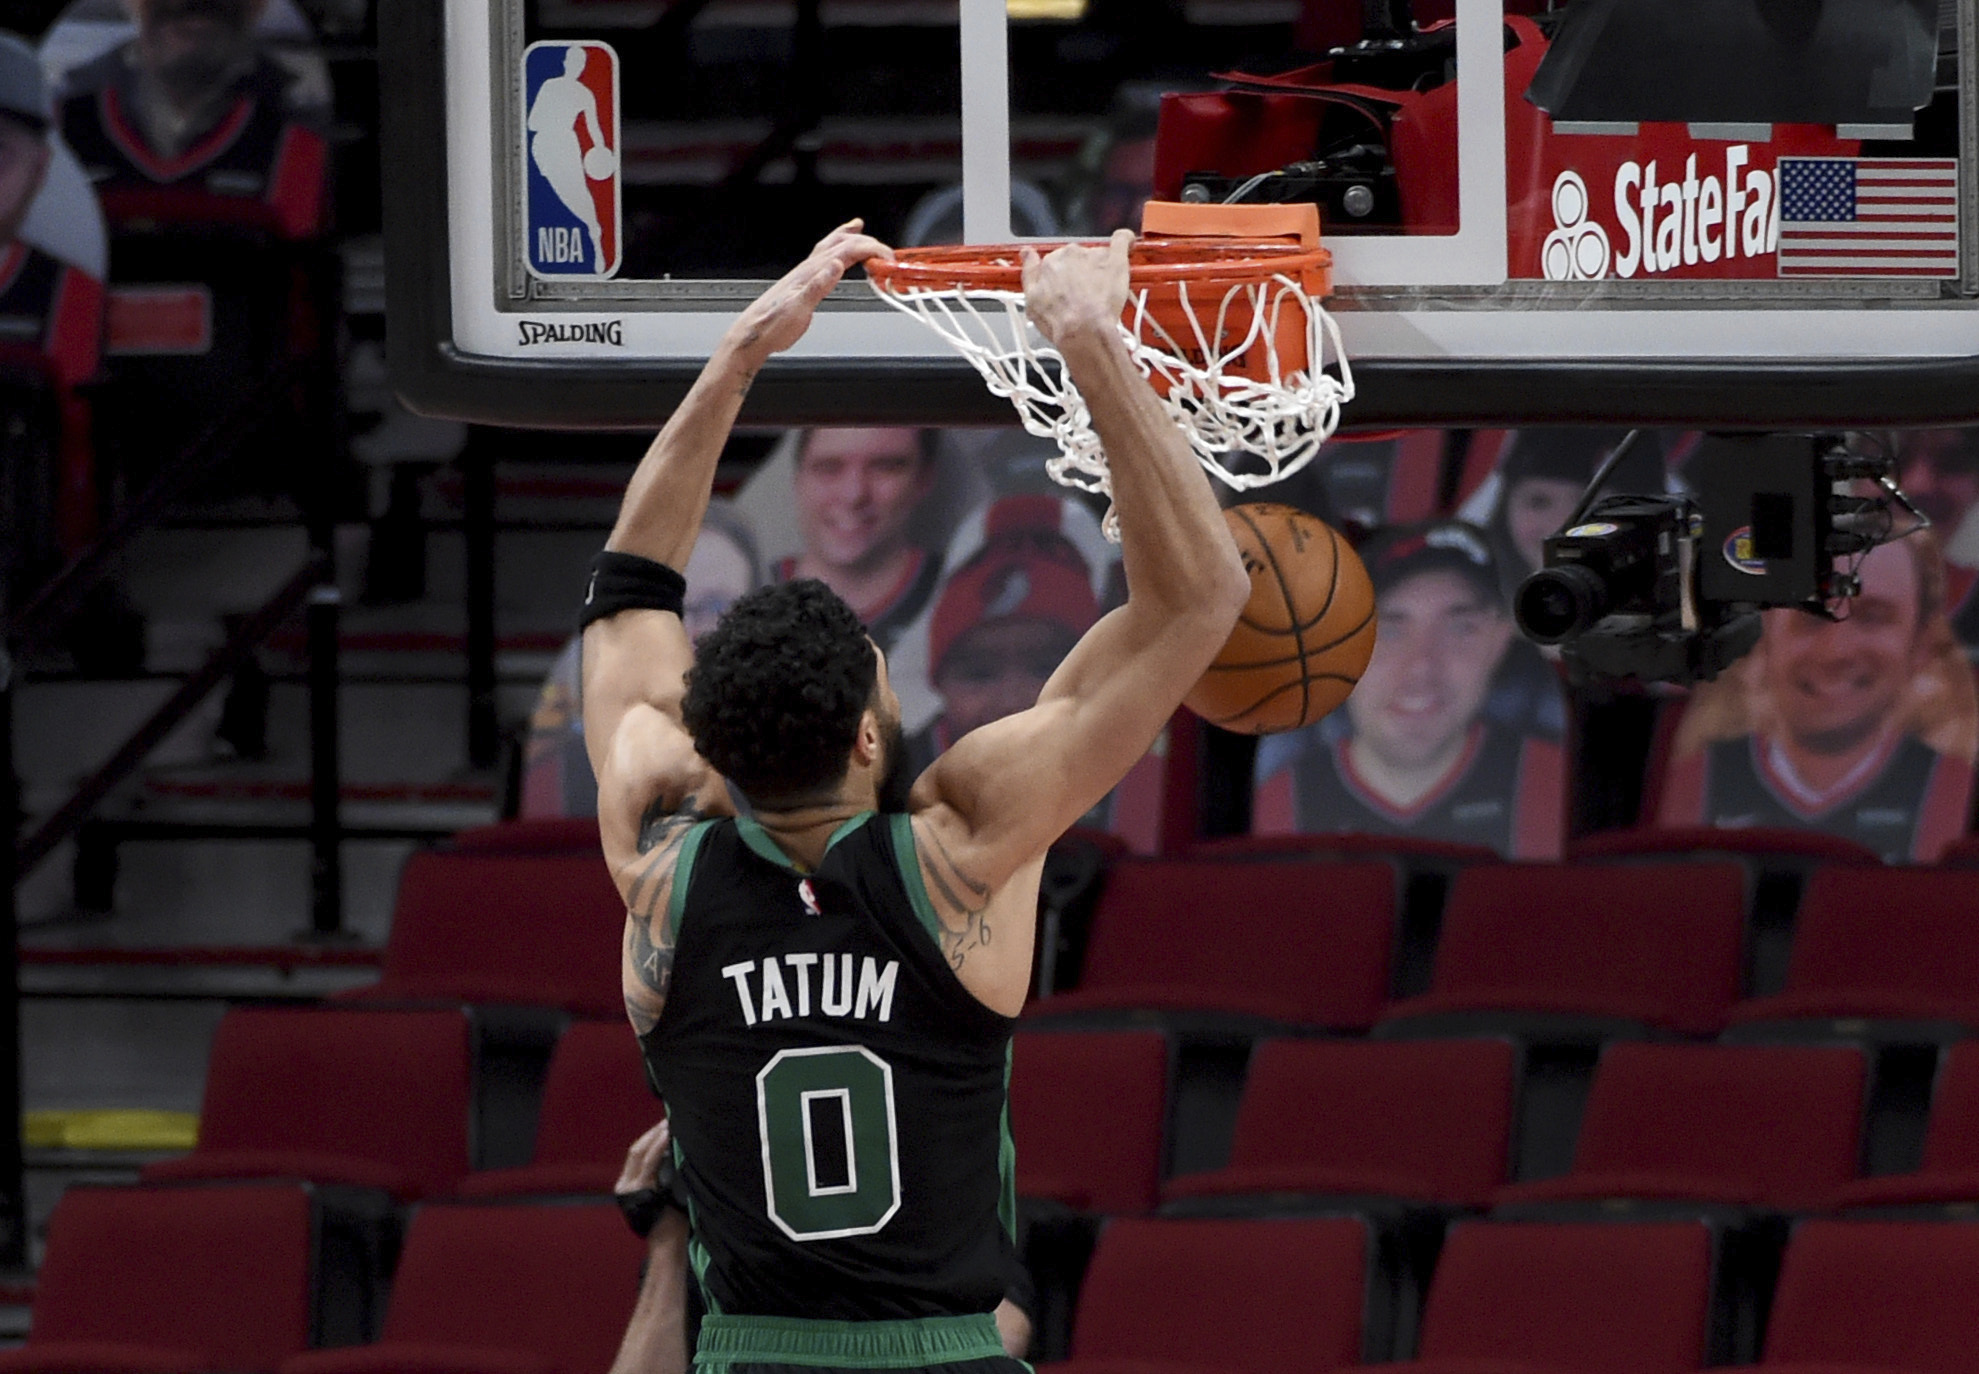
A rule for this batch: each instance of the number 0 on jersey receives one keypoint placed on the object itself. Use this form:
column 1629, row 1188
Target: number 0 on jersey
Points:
column 831, row 1165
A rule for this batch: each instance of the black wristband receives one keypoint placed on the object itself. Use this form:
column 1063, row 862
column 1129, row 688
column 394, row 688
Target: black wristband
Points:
column 627, row 582
column 642, row 1208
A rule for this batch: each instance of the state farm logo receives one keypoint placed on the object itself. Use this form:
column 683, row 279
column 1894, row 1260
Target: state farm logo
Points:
column 1654, row 205
column 1577, row 249
column 1676, row 224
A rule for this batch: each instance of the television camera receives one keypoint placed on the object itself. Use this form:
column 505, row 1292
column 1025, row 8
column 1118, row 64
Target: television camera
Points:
column 1669, row 588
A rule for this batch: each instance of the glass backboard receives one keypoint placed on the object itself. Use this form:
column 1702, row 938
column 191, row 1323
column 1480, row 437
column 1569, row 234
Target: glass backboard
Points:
column 1730, row 212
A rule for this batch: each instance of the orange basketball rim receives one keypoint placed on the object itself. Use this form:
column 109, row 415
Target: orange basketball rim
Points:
column 1223, row 318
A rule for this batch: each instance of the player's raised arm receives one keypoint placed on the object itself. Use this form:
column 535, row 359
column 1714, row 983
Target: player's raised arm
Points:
column 652, row 785
column 995, row 801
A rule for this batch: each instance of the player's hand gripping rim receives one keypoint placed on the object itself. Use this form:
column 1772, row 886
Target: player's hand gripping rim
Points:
column 1080, row 289
column 779, row 317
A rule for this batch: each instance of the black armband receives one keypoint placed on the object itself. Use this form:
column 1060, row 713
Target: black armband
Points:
column 627, row 582
column 642, row 1209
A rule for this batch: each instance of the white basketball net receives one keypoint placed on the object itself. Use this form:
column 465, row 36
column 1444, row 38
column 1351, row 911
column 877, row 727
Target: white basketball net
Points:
column 1248, row 432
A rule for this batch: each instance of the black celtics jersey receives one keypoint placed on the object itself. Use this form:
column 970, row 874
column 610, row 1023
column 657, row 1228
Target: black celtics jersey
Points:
column 837, row 1096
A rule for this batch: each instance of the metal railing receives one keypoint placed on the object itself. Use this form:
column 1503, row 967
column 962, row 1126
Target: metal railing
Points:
column 312, row 589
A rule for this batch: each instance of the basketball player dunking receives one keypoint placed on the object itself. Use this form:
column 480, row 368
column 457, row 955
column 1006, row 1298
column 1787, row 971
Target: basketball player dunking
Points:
column 823, row 976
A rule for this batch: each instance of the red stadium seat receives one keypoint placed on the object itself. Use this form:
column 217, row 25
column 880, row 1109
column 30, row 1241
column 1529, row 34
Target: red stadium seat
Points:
column 1088, row 1110
column 1893, row 944
column 1274, row 1296
column 1863, row 1295
column 537, row 835
column 1962, row 853
column 1758, row 1126
column 1758, row 842
column 1599, row 1298
column 1345, row 846
column 1951, row 1144
column 1654, row 944
column 171, row 1280
column 1302, row 943
column 596, row 1102
column 1777, row 862
column 1428, row 1120
column 532, row 929
column 486, row 1289
column 374, row 1099
column 1106, row 842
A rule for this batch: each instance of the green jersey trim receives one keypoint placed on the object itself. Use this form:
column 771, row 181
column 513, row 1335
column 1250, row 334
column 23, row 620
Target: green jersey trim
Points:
column 698, row 1258
column 727, row 1340
column 909, row 859
column 758, row 839
column 1006, row 1159
column 852, row 823
column 683, row 866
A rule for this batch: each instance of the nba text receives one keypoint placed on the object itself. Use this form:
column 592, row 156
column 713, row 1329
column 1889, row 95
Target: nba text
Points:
column 561, row 245
column 782, row 987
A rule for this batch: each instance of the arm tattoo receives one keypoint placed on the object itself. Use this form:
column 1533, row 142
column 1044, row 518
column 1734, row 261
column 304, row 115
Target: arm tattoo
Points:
column 648, row 943
column 652, row 964
column 964, row 902
column 659, row 823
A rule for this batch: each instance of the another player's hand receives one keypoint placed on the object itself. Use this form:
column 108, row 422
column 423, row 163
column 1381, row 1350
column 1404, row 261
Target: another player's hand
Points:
column 1077, row 288
column 642, row 1161
column 778, row 318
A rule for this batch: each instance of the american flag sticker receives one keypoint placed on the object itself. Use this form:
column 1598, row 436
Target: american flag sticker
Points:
column 1868, row 217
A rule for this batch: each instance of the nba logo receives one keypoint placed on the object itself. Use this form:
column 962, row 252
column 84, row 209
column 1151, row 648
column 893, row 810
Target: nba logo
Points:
column 570, row 160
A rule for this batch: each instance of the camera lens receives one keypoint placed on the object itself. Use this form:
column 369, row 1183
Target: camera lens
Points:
column 1558, row 603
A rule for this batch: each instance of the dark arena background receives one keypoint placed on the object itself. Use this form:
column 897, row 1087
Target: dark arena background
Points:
column 1599, row 1004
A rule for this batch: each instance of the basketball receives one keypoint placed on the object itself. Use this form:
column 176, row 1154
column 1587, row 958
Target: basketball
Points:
column 1304, row 637
column 599, row 162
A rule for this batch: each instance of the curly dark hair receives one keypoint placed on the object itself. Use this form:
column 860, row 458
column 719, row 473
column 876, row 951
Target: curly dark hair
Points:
column 777, row 689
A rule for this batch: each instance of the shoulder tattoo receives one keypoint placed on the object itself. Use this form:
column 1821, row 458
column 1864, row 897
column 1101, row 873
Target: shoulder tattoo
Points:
column 961, row 902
